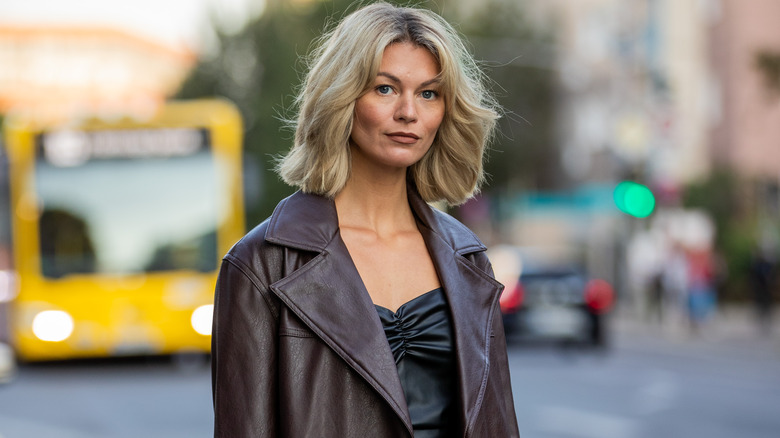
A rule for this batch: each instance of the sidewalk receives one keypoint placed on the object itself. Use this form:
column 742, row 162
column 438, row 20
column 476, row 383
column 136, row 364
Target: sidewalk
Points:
column 729, row 323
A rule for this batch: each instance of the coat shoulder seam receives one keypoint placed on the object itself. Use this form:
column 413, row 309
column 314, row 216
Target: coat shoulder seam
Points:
column 262, row 290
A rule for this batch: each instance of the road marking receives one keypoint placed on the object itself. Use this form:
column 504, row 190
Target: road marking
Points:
column 579, row 423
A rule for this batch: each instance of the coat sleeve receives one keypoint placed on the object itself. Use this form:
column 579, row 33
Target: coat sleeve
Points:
column 244, row 355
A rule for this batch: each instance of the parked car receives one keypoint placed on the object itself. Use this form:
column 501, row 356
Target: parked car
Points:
column 550, row 301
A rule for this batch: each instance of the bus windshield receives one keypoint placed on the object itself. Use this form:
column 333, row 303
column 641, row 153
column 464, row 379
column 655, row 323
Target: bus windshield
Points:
column 119, row 207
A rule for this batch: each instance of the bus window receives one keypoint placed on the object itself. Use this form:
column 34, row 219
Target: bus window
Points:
column 120, row 211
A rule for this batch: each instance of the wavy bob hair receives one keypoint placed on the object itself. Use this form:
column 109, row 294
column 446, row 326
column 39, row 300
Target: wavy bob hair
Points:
column 343, row 67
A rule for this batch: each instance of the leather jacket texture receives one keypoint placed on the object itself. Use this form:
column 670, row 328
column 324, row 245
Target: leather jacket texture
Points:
column 298, row 349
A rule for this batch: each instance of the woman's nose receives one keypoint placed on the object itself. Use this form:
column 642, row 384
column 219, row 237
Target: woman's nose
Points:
column 406, row 110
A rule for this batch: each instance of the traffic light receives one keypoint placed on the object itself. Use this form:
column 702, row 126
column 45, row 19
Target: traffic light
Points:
column 634, row 199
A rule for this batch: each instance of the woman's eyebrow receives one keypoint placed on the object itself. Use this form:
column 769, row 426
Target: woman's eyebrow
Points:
column 395, row 79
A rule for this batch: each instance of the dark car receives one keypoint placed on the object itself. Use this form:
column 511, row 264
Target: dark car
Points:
column 551, row 301
column 557, row 305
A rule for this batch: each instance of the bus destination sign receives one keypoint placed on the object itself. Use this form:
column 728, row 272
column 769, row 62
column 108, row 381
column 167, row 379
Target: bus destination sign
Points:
column 68, row 148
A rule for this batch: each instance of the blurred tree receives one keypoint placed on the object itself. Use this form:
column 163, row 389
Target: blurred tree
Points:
column 718, row 195
column 722, row 195
column 259, row 69
column 768, row 63
column 518, row 57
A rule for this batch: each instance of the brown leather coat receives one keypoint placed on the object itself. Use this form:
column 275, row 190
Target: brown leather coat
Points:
column 298, row 348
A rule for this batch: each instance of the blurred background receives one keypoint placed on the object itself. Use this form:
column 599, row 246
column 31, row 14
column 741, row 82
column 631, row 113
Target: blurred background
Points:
column 632, row 208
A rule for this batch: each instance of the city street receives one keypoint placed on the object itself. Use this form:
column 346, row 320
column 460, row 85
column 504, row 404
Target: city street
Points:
column 617, row 161
column 646, row 384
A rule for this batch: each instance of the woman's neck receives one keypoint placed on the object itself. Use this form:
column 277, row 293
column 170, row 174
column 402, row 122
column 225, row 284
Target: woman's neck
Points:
column 375, row 202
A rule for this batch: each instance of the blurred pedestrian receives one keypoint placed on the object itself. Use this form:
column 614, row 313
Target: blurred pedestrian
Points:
column 762, row 276
column 675, row 282
column 356, row 309
column 701, row 288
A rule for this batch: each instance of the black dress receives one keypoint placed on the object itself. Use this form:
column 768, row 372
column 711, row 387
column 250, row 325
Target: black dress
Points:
column 420, row 336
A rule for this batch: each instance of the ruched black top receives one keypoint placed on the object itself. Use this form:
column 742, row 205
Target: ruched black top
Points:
column 420, row 336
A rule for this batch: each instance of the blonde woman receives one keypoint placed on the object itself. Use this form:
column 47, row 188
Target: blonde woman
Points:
column 356, row 309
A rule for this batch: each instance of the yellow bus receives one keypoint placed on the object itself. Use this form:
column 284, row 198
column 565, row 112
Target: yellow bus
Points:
column 117, row 228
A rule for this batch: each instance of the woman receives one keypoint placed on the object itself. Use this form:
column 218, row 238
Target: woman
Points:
column 356, row 310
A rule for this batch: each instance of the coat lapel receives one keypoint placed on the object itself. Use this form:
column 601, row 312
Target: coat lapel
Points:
column 328, row 295
column 472, row 295
column 468, row 291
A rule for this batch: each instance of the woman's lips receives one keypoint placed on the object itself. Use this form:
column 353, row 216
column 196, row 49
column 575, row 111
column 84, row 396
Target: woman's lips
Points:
column 403, row 137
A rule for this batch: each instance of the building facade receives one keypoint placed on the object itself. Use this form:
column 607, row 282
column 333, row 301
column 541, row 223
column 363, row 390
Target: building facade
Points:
column 60, row 72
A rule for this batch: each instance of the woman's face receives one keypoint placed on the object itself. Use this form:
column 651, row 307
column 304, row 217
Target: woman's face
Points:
column 396, row 121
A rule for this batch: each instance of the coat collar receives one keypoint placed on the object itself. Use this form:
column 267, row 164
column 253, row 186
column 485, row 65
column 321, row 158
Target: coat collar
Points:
column 319, row 292
column 307, row 221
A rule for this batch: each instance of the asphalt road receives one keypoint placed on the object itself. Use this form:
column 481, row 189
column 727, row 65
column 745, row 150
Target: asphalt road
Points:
column 646, row 384
column 648, row 387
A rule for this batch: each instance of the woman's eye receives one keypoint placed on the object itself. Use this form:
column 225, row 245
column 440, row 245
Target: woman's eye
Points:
column 429, row 94
column 384, row 89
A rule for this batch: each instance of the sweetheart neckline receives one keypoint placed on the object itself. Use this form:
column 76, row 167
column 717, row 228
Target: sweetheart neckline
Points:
column 408, row 302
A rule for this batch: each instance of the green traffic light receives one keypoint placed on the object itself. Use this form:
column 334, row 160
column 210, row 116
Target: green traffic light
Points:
column 634, row 199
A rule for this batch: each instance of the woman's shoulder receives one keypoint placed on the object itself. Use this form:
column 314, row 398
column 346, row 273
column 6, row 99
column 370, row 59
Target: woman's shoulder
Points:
column 300, row 221
column 456, row 234
column 459, row 236
column 252, row 246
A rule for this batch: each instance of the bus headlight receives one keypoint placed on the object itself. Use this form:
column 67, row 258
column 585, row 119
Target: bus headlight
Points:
column 201, row 319
column 52, row 325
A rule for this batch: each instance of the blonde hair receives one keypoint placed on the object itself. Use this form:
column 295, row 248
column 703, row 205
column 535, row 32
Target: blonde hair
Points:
column 343, row 67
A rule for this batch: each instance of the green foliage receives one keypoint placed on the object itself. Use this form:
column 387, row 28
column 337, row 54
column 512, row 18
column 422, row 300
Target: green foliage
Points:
column 259, row 69
column 721, row 195
column 517, row 58
column 718, row 195
column 768, row 63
